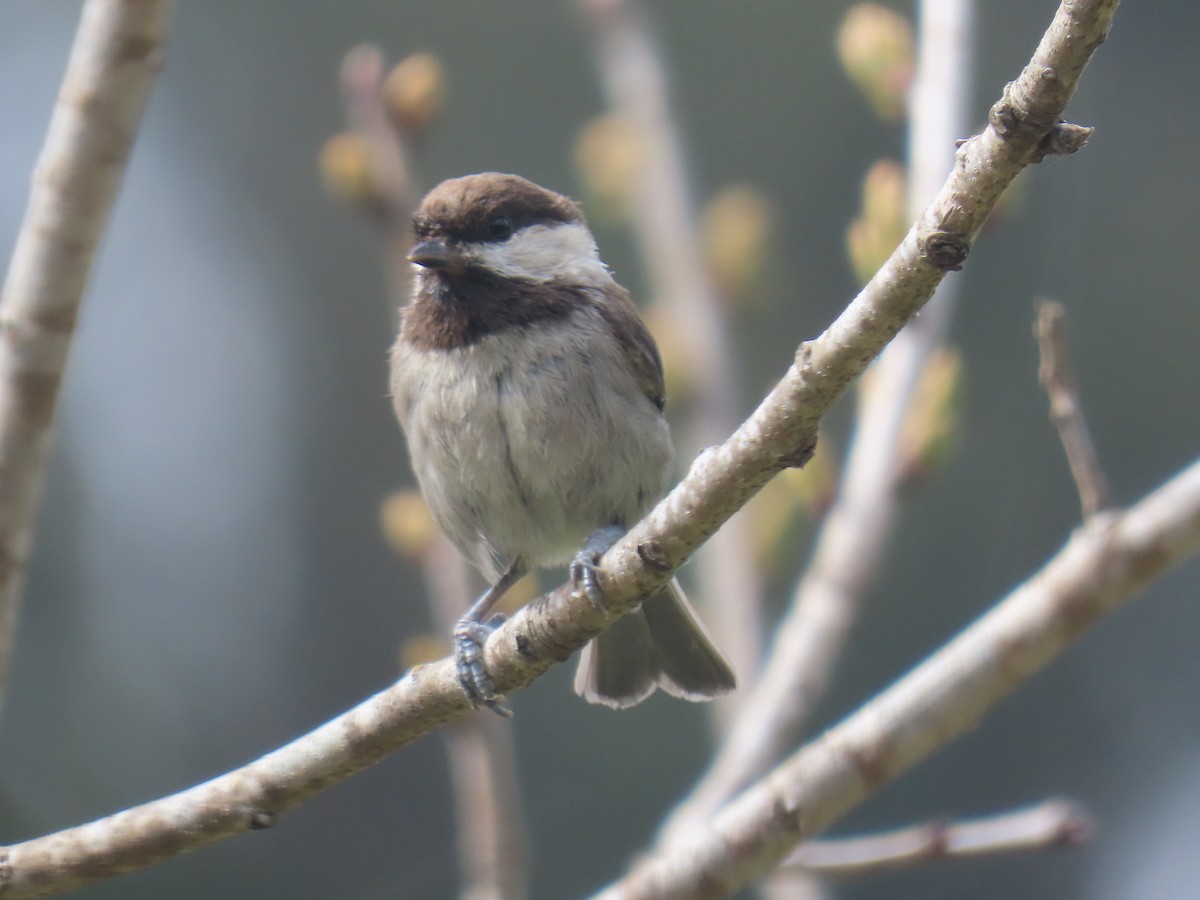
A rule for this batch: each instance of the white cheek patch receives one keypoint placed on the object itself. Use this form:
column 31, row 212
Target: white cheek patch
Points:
column 562, row 252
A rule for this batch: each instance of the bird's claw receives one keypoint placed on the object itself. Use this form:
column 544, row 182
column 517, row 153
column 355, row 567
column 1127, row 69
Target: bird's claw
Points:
column 585, row 565
column 583, row 575
column 469, row 640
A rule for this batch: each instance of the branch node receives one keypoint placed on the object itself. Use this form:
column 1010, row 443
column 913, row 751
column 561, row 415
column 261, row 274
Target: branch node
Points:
column 652, row 555
column 937, row 837
column 1062, row 140
column 1003, row 116
column 1078, row 827
column 260, row 820
column 542, row 635
column 800, row 455
column 804, row 357
column 525, row 648
column 1014, row 112
column 945, row 250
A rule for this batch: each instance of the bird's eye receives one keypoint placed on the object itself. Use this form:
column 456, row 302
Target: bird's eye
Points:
column 501, row 228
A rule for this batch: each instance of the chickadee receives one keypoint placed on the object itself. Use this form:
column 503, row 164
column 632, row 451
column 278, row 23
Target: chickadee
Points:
column 532, row 395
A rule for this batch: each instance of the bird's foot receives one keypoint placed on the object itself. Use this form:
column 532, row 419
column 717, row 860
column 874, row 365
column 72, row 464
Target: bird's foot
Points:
column 585, row 565
column 470, row 637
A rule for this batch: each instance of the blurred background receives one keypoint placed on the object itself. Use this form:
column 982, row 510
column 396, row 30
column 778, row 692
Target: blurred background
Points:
column 210, row 579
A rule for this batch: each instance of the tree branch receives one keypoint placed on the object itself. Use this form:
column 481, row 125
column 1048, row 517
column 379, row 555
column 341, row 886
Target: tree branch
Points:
column 855, row 533
column 1057, row 377
column 664, row 223
column 1102, row 565
column 493, row 853
column 115, row 57
column 493, row 846
column 1055, row 823
column 388, row 151
column 780, row 433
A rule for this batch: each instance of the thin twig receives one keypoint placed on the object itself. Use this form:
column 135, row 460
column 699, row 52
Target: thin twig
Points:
column 115, row 57
column 1057, row 377
column 493, row 850
column 855, row 533
column 781, row 432
column 945, row 696
column 490, row 823
column 388, row 155
column 664, row 222
column 362, row 92
column 1049, row 825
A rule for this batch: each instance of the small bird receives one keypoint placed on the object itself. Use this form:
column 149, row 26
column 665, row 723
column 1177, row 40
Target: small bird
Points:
column 531, row 395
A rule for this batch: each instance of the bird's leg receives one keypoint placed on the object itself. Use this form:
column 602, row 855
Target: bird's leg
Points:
column 584, row 565
column 470, row 636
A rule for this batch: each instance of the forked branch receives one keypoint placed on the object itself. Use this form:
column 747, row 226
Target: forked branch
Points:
column 886, row 738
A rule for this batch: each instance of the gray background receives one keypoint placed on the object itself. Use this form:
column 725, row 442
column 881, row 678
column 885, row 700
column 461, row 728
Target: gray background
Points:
column 209, row 579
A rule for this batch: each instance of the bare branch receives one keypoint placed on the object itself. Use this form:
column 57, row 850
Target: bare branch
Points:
column 388, row 159
column 780, row 433
column 1101, row 566
column 248, row 798
column 1049, row 825
column 493, row 853
column 664, row 222
column 782, row 430
column 810, row 638
column 115, row 57
column 493, row 850
column 1057, row 377
column 362, row 90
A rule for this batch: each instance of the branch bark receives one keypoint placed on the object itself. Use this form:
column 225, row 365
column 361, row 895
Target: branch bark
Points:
column 810, row 638
column 388, row 160
column 1057, row 377
column 1052, row 824
column 493, row 843
column 115, row 57
column 493, row 852
column 780, row 433
column 664, row 222
column 1103, row 564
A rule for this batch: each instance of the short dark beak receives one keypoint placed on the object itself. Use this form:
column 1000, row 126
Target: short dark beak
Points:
column 436, row 254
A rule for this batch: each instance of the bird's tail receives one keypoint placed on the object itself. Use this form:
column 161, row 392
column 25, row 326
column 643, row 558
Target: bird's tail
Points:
column 661, row 645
